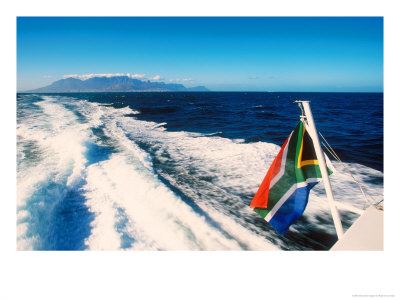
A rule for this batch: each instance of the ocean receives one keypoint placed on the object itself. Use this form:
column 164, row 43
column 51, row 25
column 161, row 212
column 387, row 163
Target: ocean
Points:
column 177, row 170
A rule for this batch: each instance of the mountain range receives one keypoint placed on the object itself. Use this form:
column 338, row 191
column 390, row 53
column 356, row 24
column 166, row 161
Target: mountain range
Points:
column 111, row 84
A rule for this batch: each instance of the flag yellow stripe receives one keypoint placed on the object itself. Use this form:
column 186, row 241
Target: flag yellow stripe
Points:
column 300, row 163
column 308, row 162
column 301, row 148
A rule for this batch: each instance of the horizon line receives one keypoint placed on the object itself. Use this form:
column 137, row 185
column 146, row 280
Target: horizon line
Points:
column 210, row 91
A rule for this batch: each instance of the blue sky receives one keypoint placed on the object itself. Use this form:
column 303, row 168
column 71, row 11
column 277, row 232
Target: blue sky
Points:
column 323, row 54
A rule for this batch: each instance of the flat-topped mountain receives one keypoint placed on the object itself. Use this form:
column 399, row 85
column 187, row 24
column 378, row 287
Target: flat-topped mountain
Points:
column 111, row 84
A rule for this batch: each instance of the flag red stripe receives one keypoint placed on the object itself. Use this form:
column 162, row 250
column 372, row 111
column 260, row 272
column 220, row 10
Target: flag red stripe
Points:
column 260, row 200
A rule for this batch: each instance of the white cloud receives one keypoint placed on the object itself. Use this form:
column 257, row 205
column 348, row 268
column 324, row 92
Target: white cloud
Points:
column 156, row 78
column 87, row 76
column 136, row 76
column 181, row 80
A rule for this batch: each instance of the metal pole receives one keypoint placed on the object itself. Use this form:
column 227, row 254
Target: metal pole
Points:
column 322, row 166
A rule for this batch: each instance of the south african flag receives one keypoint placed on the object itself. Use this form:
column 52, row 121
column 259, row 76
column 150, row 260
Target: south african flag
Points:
column 283, row 195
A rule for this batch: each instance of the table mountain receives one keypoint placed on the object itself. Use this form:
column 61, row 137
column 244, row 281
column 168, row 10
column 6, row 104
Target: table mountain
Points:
column 111, row 84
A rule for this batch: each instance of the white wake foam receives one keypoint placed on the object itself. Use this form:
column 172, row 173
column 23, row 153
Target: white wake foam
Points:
column 58, row 140
column 158, row 218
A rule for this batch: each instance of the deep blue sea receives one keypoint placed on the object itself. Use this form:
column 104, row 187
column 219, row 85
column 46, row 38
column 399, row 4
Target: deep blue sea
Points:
column 177, row 171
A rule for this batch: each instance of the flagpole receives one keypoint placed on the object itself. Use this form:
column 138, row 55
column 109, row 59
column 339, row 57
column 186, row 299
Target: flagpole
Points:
column 322, row 165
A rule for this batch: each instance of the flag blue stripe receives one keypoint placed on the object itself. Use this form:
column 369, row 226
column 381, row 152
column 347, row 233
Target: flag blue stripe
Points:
column 292, row 209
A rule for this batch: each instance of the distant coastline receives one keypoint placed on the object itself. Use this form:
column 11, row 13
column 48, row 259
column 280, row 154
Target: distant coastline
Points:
column 112, row 84
column 195, row 91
